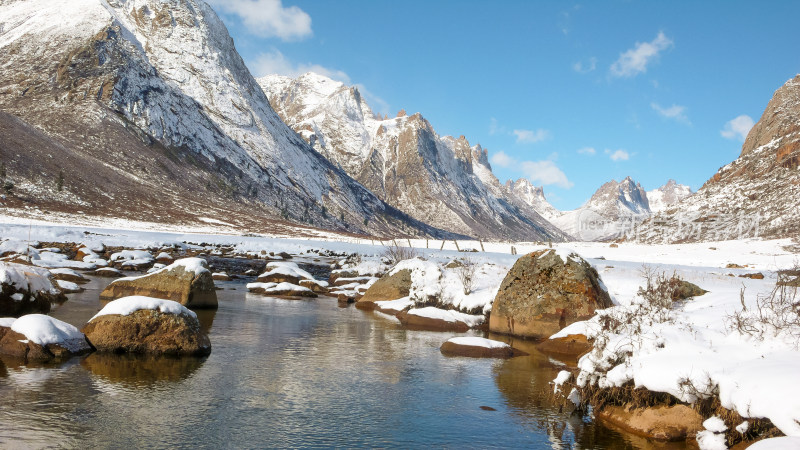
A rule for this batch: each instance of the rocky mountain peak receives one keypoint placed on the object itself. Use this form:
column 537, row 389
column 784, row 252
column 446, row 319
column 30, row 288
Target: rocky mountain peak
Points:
column 667, row 195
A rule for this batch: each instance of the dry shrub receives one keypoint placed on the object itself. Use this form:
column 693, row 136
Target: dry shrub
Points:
column 394, row 253
column 466, row 274
column 775, row 314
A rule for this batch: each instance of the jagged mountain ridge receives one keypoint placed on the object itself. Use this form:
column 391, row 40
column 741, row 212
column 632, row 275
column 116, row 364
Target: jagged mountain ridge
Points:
column 148, row 109
column 440, row 180
column 758, row 194
column 612, row 208
column 665, row 196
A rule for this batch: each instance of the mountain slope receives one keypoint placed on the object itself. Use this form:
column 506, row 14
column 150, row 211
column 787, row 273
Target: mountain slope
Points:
column 523, row 192
column 440, row 180
column 613, row 208
column 665, row 196
column 159, row 115
column 758, row 194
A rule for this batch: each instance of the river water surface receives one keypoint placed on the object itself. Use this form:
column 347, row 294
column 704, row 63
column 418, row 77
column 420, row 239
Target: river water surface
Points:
column 290, row 373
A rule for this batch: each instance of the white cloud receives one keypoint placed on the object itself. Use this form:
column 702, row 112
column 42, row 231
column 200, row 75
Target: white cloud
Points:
column 545, row 173
column 268, row 18
column 501, row 159
column 737, row 128
column 589, row 66
column 635, row 60
column 587, row 151
column 618, row 155
column 675, row 112
column 538, row 172
column 275, row 63
column 531, row 136
column 493, row 127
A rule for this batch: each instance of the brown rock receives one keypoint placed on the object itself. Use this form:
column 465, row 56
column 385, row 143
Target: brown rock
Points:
column 542, row 294
column 389, row 287
column 573, row 346
column 220, row 277
column 190, row 289
column 733, row 266
column 73, row 277
column 415, row 322
column 278, row 278
column 150, row 332
column 668, row 423
column 108, row 272
column 687, row 290
column 471, row 351
column 345, row 298
column 314, row 286
column 754, row 276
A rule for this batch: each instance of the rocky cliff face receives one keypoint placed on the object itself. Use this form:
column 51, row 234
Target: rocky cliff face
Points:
column 149, row 112
column 440, row 180
column 758, row 194
column 667, row 195
column 612, row 210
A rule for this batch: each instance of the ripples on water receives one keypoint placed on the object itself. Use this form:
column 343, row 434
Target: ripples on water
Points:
column 290, row 373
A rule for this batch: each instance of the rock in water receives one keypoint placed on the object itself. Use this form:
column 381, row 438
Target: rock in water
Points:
column 148, row 326
column 40, row 338
column 545, row 291
column 26, row 289
column 186, row 281
column 477, row 347
column 390, row 287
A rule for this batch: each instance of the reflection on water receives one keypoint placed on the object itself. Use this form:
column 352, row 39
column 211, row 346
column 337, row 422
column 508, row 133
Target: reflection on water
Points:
column 140, row 370
column 291, row 373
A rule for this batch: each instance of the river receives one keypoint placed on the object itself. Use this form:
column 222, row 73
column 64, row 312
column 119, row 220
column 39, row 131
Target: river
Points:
column 291, row 373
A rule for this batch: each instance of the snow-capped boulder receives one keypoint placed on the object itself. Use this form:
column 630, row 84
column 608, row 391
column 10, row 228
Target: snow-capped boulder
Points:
column 108, row 272
column 430, row 318
column 319, row 287
column 284, row 272
column 25, row 289
column 71, row 275
column 187, row 281
column 68, row 287
column 477, row 347
column 280, row 289
column 148, row 325
column 545, row 291
column 40, row 338
column 220, row 276
column 392, row 286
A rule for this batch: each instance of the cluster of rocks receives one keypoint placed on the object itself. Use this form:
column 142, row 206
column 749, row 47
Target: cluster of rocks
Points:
column 148, row 314
column 287, row 279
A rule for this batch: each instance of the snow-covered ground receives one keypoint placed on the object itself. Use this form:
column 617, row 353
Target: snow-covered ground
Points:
column 692, row 344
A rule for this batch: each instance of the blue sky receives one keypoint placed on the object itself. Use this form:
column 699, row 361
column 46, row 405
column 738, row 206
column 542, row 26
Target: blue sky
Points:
column 569, row 95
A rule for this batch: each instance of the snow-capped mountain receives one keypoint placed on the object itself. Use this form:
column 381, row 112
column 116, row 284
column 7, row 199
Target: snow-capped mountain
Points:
column 148, row 111
column 522, row 191
column 667, row 195
column 758, row 194
column 440, row 180
column 613, row 209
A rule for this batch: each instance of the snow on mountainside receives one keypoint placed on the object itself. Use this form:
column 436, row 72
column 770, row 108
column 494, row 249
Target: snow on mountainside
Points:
column 758, row 194
column 612, row 209
column 662, row 198
column 440, row 180
column 523, row 191
column 147, row 109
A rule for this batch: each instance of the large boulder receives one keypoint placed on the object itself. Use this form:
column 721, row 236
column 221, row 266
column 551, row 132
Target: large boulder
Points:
column 545, row 291
column 26, row 289
column 667, row 423
column 186, row 281
column 40, row 338
column 148, row 326
column 393, row 285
